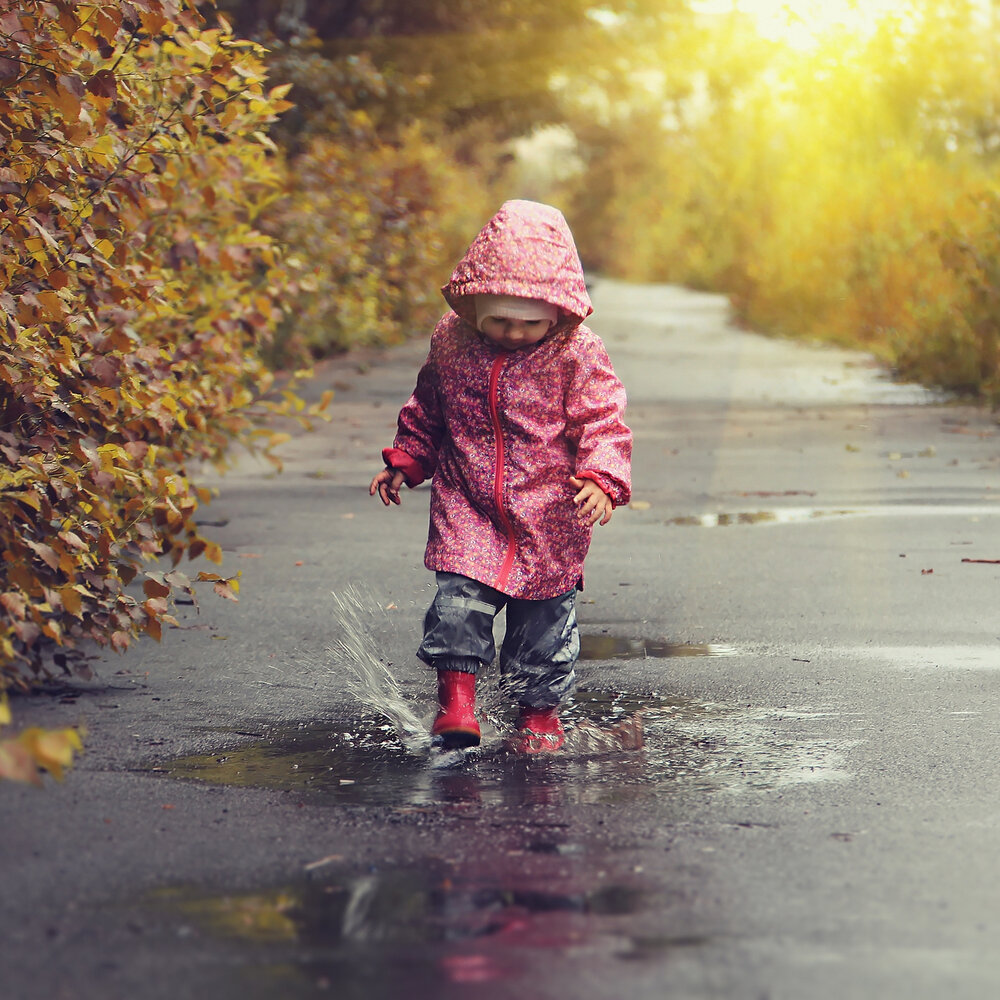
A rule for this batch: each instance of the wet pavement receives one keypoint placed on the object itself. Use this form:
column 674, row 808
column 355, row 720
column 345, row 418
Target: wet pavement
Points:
column 781, row 775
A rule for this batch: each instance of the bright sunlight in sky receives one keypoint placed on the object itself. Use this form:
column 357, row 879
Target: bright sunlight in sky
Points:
column 802, row 23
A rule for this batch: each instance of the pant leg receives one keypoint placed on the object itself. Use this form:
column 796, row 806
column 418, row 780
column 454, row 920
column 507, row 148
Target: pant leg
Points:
column 458, row 626
column 540, row 650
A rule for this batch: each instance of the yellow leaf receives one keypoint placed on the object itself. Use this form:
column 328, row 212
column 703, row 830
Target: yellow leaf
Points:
column 266, row 141
column 105, row 146
column 72, row 601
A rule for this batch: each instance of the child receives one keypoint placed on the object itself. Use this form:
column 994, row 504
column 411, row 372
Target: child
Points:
column 517, row 416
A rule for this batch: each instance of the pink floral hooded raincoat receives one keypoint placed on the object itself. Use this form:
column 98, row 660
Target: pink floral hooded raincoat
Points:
column 502, row 431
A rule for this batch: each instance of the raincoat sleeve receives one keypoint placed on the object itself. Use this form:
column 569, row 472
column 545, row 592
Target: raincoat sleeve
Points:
column 595, row 409
column 420, row 428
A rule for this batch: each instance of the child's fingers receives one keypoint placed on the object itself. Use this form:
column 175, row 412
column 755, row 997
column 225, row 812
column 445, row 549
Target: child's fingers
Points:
column 386, row 484
column 393, row 489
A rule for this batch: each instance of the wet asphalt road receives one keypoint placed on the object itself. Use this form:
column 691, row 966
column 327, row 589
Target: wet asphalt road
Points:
column 786, row 608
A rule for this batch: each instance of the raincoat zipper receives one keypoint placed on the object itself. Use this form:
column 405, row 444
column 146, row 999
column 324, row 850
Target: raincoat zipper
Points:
column 508, row 560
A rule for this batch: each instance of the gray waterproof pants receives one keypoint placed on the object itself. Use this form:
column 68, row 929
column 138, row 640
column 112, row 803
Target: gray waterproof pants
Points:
column 539, row 649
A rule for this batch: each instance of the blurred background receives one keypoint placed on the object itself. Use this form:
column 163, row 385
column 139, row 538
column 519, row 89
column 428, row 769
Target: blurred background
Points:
column 831, row 165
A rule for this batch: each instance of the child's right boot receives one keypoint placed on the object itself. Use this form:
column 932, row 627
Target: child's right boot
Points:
column 539, row 730
column 455, row 726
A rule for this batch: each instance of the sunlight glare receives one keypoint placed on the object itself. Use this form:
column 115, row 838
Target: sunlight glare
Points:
column 802, row 24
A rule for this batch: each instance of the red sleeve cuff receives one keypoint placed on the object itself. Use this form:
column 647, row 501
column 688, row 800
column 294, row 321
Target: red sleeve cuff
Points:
column 413, row 471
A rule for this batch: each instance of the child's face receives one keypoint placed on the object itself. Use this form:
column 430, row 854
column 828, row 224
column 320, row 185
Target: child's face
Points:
column 513, row 334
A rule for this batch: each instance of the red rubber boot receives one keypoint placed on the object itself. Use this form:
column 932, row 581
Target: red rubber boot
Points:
column 455, row 726
column 539, row 731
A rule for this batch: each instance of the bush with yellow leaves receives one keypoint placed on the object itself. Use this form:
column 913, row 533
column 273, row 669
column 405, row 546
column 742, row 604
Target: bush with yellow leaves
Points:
column 136, row 293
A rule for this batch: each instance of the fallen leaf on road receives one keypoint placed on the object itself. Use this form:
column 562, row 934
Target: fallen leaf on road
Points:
column 640, row 505
column 926, row 572
column 851, row 447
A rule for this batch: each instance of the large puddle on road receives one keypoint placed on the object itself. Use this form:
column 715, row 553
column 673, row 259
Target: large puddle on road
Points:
column 544, row 900
column 416, row 930
column 619, row 749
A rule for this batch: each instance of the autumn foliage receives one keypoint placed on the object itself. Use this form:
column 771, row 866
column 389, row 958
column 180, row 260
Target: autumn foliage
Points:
column 136, row 293
column 845, row 192
column 374, row 211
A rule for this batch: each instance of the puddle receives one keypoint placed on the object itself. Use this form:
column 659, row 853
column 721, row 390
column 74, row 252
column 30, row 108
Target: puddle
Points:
column 410, row 930
column 802, row 515
column 539, row 898
column 615, row 647
column 415, row 905
column 620, row 749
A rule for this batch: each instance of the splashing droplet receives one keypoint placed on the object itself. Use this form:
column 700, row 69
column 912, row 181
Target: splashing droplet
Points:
column 369, row 678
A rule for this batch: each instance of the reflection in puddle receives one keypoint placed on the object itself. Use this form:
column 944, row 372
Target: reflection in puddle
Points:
column 616, row 647
column 801, row 515
column 394, row 930
column 672, row 745
column 419, row 905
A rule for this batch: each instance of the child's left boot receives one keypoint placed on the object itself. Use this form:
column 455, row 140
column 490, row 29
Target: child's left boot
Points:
column 539, row 731
column 455, row 726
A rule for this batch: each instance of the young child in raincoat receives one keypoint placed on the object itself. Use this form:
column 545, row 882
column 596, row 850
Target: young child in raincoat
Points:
column 517, row 418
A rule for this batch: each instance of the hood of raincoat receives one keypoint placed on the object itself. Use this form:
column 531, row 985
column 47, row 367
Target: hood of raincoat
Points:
column 526, row 250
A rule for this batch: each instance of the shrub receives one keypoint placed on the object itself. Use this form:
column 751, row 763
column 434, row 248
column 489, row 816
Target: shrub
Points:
column 136, row 293
column 370, row 236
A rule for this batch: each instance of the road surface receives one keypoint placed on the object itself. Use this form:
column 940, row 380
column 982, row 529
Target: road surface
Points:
column 798, row 609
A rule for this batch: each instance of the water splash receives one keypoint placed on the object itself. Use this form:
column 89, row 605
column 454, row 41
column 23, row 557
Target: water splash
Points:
column 361, row 619
column 369, row 678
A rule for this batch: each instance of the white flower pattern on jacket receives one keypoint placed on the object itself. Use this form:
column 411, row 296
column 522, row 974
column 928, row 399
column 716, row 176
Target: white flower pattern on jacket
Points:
column 500, row 432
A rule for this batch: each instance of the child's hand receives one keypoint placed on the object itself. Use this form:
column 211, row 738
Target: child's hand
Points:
column 387, row 484
column 593, row 504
